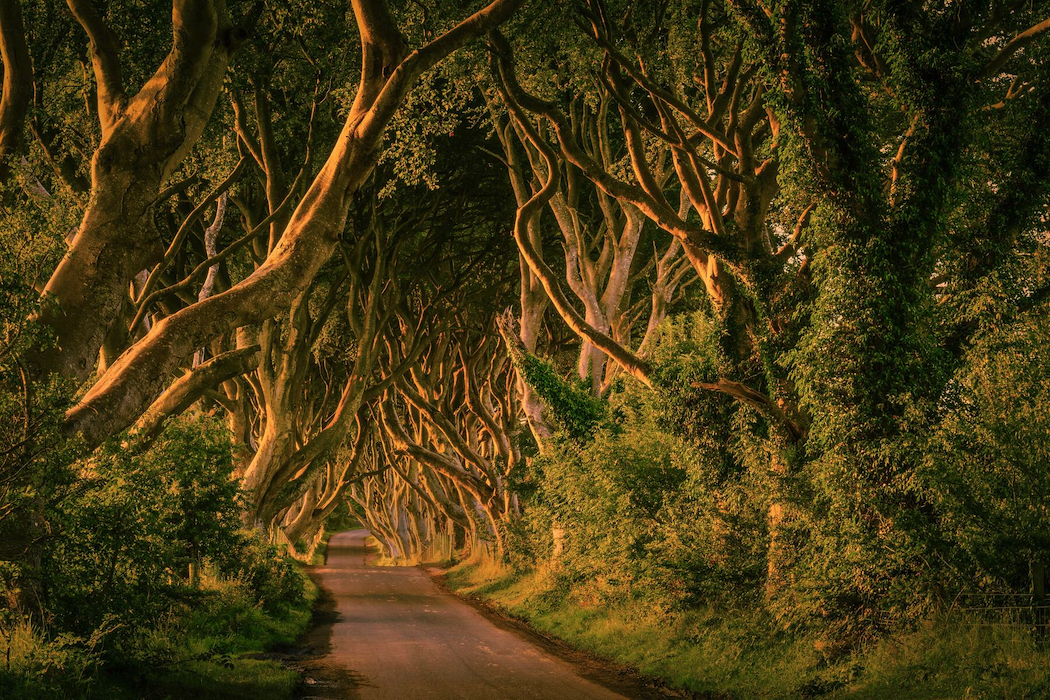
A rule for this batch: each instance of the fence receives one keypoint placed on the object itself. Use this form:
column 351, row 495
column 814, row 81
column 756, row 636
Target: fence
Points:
column 1004, row 609
column 1030, row 611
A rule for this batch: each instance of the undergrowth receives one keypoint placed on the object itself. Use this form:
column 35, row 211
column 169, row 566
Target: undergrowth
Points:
column 202, row 647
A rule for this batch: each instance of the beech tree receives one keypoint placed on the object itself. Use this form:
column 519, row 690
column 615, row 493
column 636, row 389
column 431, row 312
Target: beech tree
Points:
column 148, row 247
column 448, row 432
column 600, row 259
column 308, row 240
column 144, row 136
column 759, row 118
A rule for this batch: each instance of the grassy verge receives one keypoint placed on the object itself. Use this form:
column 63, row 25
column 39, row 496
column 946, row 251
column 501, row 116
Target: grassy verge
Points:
column 731, row 653
column 203, row 648
column 320, row 555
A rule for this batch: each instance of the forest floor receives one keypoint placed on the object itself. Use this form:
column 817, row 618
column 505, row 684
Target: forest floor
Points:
column 733, row 655
column 395, row 634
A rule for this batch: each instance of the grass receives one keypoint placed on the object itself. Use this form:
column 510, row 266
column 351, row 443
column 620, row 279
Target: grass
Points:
column 320, row 554
column 201, row 650
column 735, row 654
column 243, row 679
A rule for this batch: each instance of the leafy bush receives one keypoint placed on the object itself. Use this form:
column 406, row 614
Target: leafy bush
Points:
column 669, row 496
column 38, row 667
column 270, row 577
column 123, row 544
column 649, row 506
column 985, row 467
column 121, row 608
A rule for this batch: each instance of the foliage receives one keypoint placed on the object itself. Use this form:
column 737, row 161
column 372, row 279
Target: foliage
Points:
column 270, row 576
column 669, row 504
column 839, row 436
column 196, row 647
column 114, row 575
column 985, row 464
column 661, row 503
column 122, row 546
column 572, row 407
column 36, row 474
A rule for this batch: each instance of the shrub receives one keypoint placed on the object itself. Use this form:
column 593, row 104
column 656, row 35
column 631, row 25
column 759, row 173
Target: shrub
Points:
column 271, row 578
column 123, row 543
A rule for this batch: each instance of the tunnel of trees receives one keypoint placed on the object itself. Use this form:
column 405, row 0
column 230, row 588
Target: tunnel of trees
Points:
column 735, row 303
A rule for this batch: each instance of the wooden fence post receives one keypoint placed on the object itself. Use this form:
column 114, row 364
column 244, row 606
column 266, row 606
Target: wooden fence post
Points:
column 1040, row 616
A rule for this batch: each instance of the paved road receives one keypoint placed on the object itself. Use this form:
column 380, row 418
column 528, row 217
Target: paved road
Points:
column 402, row 638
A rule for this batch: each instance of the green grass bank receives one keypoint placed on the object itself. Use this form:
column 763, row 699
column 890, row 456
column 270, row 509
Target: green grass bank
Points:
column 732, row 654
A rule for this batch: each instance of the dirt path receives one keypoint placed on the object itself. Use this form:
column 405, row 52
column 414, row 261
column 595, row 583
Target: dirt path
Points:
column 395, row 635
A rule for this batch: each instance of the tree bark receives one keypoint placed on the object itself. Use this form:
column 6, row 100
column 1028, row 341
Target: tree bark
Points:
column 17, row 86
column 192, row 386
column 144, row 138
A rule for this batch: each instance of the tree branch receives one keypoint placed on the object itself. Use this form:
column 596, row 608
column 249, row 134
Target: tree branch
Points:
column 18, row 82
column 105, row 60
column 993, row 66
column 192, row 386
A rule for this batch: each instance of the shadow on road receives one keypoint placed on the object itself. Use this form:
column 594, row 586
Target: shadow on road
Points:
column 321, row 679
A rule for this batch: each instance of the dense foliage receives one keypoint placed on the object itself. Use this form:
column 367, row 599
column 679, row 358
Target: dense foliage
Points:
column 115, row 574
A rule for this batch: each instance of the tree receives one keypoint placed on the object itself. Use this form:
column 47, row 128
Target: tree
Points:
column 821, row 260
column 388, row 73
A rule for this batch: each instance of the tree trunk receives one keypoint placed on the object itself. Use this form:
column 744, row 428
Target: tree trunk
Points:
column 144, row 138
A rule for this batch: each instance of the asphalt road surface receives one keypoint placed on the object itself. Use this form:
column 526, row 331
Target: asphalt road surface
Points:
column 398, row 636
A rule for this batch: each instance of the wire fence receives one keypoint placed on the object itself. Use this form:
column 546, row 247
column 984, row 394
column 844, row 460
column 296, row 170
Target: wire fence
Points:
column 1029, row 611
column 1020, row 610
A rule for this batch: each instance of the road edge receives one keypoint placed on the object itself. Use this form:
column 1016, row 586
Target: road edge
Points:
column 617, row 677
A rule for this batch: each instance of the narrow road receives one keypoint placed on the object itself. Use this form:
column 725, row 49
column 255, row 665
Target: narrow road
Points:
column 402, row 638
